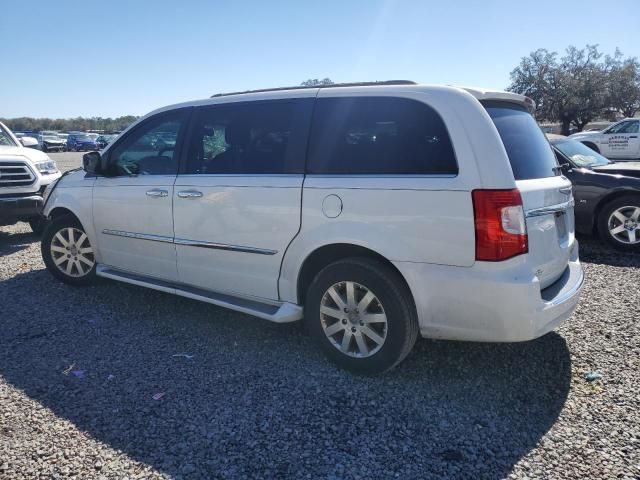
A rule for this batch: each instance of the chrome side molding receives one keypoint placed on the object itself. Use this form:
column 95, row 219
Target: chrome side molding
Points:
column 190, row 243
column 139, row 236
column 223, row 246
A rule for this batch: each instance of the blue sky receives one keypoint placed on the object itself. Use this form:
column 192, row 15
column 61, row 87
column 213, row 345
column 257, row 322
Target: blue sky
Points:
column 74, row 58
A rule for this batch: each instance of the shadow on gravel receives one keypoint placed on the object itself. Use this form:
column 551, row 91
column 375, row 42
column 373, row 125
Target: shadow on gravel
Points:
column 257, row 400
column 594, row 251
column 14, row 242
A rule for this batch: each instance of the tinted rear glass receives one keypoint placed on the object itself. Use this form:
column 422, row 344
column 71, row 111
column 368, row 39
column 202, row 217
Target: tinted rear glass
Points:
column 529, row 151
column 379, row 135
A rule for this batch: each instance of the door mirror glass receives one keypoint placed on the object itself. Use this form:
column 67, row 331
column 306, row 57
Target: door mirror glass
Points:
column 91, row 163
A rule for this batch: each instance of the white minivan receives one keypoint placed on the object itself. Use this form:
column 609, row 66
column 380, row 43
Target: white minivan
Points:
column 373, row 211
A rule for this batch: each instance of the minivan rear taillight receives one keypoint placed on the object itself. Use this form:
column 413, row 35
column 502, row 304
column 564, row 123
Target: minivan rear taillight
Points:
column 501, row 232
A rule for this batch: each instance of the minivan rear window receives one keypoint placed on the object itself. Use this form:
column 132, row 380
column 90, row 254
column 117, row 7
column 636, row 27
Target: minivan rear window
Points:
column 529, row 151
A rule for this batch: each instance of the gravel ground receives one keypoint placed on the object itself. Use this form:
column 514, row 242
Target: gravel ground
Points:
column 67, row 160
column 79, row 368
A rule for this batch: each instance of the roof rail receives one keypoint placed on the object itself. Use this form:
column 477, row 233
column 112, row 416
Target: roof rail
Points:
column 333, row 85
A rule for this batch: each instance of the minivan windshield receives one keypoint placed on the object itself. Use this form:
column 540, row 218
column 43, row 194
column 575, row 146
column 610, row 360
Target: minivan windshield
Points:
column 580, row 154
column 529, row 151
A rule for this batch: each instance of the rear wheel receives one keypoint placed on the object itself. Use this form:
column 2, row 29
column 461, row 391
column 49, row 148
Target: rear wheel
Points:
column 67, row 252
column 45, row 148
column 619, row 223
column 361, row 314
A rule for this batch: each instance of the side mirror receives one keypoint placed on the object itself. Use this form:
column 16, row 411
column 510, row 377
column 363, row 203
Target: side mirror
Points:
column 28, row 142
column 91, row 163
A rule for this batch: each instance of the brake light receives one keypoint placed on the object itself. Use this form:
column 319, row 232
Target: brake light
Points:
column 501, row 232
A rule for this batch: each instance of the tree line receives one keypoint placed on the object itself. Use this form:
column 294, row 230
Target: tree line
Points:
column 69, row 124
column 579, row 87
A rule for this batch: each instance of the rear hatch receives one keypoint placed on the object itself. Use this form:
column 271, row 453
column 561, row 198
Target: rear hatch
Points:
column 546, row 195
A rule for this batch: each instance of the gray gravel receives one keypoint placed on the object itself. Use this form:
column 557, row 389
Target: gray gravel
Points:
column 256, row 400
column 67, row 160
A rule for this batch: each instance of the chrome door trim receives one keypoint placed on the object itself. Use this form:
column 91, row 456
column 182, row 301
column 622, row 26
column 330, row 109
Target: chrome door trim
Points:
column 224, row 246
column 139, row 236
column 190, row 243
column 551, row 209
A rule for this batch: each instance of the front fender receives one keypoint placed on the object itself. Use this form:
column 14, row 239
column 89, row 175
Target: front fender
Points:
column 74, row 193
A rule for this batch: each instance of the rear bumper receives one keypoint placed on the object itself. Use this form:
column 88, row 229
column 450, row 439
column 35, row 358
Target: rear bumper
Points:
column 500, row 302
column 14, row 209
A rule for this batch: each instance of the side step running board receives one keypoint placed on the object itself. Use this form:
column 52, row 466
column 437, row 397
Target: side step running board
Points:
column 279, row 312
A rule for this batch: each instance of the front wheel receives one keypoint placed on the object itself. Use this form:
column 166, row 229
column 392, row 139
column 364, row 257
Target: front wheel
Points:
column 361, row 314
column 67, row 252
column 619, row 223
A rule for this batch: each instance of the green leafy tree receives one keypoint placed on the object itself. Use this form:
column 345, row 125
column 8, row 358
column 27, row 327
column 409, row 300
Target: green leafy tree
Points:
column 68, row 124
column 623, row 83
column 579, row 87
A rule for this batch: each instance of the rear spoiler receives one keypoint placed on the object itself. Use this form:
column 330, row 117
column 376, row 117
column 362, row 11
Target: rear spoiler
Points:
column 485, row 95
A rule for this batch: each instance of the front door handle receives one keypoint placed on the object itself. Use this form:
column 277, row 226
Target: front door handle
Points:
column 189, row 194
column 157, row 193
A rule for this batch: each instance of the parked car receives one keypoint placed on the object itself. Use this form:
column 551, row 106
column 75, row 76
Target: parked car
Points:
column 49, row 141
column 619, row 141
column 377, row 212
column 24, row 174
column 607, row 193
column 80, row 142
column 103, row 140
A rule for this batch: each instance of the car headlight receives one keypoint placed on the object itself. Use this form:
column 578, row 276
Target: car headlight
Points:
column 47, row 168
column 48, row 190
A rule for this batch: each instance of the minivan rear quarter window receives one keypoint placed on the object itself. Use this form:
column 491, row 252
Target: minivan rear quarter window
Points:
column 379, row 135
column 528, row 149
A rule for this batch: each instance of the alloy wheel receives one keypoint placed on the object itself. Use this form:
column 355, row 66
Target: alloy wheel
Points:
column 353, row 319
column 624, row 225
column 71, row 252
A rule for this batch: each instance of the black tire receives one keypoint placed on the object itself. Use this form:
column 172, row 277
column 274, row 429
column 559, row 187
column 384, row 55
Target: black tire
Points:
column 394, row 298
column 52, row 228
column 603, row 223
column 37, row 225
column 45, row 148
column 592, row 146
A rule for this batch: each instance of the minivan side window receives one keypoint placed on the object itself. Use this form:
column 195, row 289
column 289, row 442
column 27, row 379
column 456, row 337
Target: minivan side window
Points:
column 249, row 138
column 149, row 149
column 379, row 135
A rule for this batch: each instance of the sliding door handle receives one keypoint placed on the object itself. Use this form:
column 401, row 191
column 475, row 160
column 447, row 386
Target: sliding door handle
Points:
column 189, row 194
column 157, row 193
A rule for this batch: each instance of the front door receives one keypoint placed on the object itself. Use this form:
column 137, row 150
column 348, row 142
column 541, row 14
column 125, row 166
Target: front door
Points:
column 622, row 140
column 132, row 206
column 237, row 201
